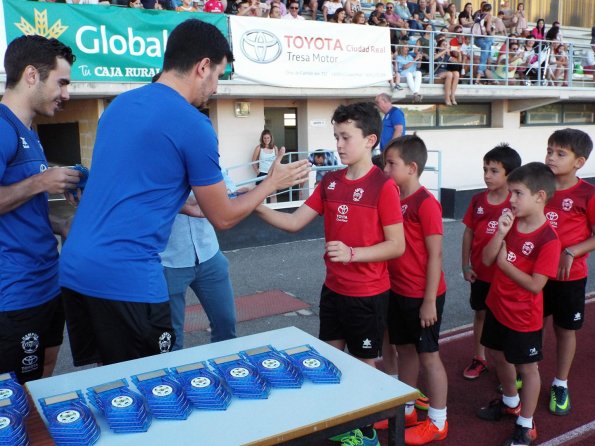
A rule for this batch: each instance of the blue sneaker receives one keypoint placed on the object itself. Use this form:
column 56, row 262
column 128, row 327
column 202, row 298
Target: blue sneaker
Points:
column 358, row 439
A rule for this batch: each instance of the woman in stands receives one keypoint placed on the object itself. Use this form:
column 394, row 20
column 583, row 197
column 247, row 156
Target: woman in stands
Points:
column 359, row 18
column 424, row 47
column 538, row 32
column 407, row 68
column 557, row 72
column 448, row 70
column 339, row 16
column 352, row 7
column 451, row 17
column 466, row 18
column 329, row 8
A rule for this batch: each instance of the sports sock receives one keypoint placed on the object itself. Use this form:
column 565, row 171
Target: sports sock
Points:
column 525, row 422
column 409, row 407
column 560, row 383
column 367, row 431
column 511, row 401
column 437, row 416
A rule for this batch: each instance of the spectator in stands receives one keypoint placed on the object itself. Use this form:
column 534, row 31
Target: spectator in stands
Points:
column 589, row 61
column 377, row 17
column 499, row 26
column 456, row 41
column 279, row 4
column 466, row 18
column 423, row 11
column 214, row 6
column 232, row 7
column 538, row 32
column 557, row 72
column 529, row 56
column 508, row 16
column 329, row 8
column 407, row 68
column 438, row 5
column 135, row 4
column 451, row 17
column 339, row 16
column 258, row 9
column 352, row 7
column 424, row 46
column 554, row 34
column 520, row 20
column 359, row 18
column 448, row 70
column 393, row 19
column 402, row 10
column 506, row 66
column 274, row 12
column 312, row 6
column 293, row 8
column 186, row 6
column 483, row 38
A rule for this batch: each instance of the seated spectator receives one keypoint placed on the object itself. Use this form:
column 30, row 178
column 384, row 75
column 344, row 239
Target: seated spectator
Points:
column 186, row 6
column 274, row 12
column 507, row 14
column 135, row 4
column 339, row 16
column 440, row 5
column 456, row 41
column 554, row 33
column 527, row 49
column 377, row 17
column 280, row 5
column 424, row 46
column 557, row 72
column 506, row 66
column 232, row 7
column 352, row 7
column 312, row 6
column 407, row 68
column 499, row 26
column 423, row 10
column 329, row 8
column 359, row 18
column 448, row 70
column 469, row 51
column 589, row 60
column 214, row 6
column 466, row 18
column 538, row 32
column 395, row 83
column 293, row 9
column 451, row 17
column 402, row 10
column 393, row 19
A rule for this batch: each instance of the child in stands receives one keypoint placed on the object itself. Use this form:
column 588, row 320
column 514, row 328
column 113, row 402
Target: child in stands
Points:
column 363, row 229
column 418, row 289
column 525, row 251
column 572, row 213
column 481, row 223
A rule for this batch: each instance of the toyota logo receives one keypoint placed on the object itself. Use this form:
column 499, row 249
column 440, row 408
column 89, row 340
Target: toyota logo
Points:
column 260, row 46
column 29, row 360
column 343, row 209
column 493, row 224
column 551, row 216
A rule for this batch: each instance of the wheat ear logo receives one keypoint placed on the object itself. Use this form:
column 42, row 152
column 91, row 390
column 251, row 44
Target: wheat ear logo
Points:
column 41, row 26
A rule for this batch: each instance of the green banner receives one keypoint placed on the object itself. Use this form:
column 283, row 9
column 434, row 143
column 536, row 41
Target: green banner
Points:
column 111, row 44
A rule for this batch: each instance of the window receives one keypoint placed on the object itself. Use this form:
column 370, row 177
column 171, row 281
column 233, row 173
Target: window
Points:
column 427, row 116
column 560, row 113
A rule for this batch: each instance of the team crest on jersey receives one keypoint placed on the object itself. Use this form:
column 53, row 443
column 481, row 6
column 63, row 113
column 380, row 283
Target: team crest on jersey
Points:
column 357, row 194
column 30, row 343
column 403, row 209
column 552, row 217
column 165, row 342
column 479, row 210
column 342, row 211
column 527, row 248
column 567, row 204
column 511, row 256
column 332, row 185
column 492, row 226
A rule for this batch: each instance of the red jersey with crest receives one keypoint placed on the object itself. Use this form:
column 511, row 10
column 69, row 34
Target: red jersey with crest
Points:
column 482, row 218
column 536, row 252
column 422, row 216
column 572, row 213
column 355, row 212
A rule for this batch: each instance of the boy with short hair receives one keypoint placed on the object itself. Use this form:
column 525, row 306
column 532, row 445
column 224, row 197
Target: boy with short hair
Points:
column 418, row 289
column 571, row 212
column 363, row 229
column 481, row 223
column 525, row 250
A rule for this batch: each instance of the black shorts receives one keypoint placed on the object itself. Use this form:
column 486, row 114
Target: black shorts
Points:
column 110, row 331
column 360, row 321
column 479, row 292
column 404, row 326
column 24, row 336
column 565, row 301
column 518, row 347
column 260, row 174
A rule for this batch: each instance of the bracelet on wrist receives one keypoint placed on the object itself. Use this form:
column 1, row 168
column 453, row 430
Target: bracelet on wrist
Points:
column 568, row 252
column 352, row 254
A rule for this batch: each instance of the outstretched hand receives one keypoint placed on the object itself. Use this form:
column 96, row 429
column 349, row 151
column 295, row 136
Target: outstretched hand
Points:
column 287, row 175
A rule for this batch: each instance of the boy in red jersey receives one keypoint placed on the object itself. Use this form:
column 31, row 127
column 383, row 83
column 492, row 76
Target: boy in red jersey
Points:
column 363, row 229
column 481, row 223
column 572, row 213
column 525, row 250
column 417, row 289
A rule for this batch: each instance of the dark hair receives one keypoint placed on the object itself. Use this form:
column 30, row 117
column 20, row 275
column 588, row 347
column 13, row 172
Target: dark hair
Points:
column 536, row 176
column 542, row 22
column 364, row 115
column 38, row 51
column 411, row 148
column 505, row 155
column 379, row 4
column 576, row 140
column 192, row 41
column 552, row 33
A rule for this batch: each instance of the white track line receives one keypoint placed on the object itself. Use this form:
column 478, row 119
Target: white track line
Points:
column 572, row 435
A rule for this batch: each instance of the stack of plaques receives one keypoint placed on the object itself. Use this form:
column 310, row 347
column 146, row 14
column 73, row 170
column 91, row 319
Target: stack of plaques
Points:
column 123, row 409
column 164, row 395
column 204, row 388
column 10, row 388
column 70, row 421
column 313, row 365
column 12, row 427
column 242, row 377
column 276, row 368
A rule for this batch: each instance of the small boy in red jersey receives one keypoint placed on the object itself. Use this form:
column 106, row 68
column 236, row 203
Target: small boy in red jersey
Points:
column 525, row 250
column 418, row 289
column 571, row 212
column 363, row 228
column 481, row 223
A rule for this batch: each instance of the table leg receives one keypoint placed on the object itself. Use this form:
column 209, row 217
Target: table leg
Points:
column 396, row 428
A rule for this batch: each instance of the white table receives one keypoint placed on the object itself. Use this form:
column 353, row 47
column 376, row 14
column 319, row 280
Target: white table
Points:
column 294, row 416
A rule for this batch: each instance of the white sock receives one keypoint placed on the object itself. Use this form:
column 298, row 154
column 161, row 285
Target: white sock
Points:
column 511, row 401
column 525, row 422
column 437, row 416
column 560, row 383
column 409, row 407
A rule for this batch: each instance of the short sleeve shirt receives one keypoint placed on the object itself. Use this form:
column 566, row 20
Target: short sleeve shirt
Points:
column 394, row 117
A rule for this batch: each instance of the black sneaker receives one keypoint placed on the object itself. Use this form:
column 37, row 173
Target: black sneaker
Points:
column 522, row 436
column 497, row 409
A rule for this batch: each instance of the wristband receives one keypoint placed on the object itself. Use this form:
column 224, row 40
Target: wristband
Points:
column 568, row 252
column 352, row 254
